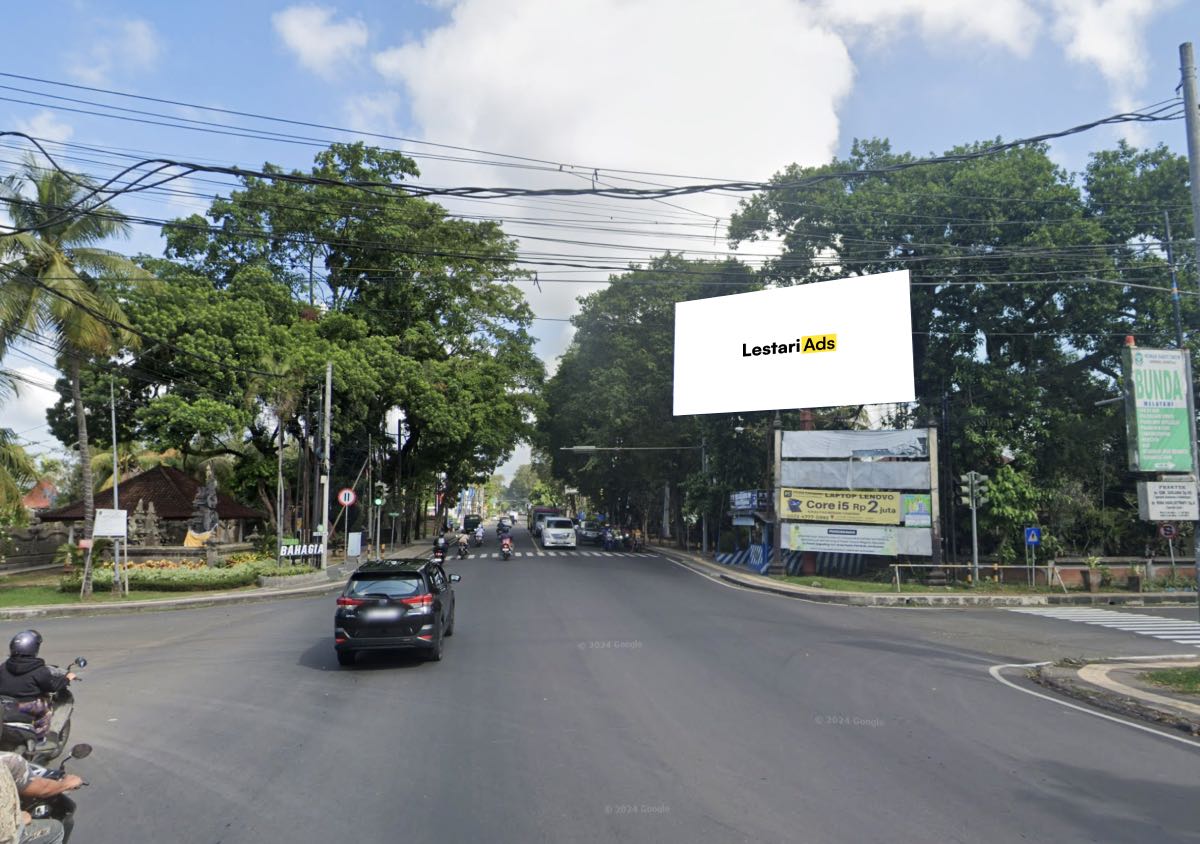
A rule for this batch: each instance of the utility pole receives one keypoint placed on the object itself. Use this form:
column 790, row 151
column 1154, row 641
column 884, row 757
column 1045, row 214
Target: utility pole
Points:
column 704, row 515
column 1174, row 283
column 367, row 501
column 112, row 403
column 1191, row 122
column 325, row 468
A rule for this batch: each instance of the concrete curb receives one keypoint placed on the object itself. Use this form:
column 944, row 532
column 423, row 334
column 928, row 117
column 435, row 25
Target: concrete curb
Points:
column 1066, row 680
column 332, row 581
column 920, row 599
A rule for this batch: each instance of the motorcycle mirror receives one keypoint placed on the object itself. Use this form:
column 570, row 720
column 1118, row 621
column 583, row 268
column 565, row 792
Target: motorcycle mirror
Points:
column 81, row 751
column 81, row 662
column 455, row 578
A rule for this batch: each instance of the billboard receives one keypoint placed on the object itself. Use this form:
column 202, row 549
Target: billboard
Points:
column 825, row 344
column 1158, row 409
column 840, row 505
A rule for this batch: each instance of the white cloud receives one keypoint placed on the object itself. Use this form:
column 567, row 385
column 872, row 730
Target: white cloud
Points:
column 45, row 125
column 656, row 85
column 1011, row 24
column 1108, row 34
column 374, row 112
column 319, row 42
column 118, row 48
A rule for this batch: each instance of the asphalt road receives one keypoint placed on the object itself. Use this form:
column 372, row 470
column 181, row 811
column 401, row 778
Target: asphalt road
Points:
column 608, row 698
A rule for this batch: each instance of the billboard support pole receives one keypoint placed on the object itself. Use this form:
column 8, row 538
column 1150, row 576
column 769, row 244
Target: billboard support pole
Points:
column 935, row 514
column 774, row 460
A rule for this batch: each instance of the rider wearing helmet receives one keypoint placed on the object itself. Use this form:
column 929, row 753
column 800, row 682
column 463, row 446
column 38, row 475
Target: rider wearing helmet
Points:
column 26, row 678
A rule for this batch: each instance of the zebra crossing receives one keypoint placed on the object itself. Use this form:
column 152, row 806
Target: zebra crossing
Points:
column 1175, row 630
column 560, row 552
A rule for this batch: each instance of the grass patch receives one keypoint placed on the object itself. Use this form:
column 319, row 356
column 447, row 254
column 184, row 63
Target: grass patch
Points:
column 1186, row 680
column 843, row 584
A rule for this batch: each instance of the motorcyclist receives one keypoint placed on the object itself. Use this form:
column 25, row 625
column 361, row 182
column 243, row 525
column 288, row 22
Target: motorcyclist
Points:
column 609, row 538
column 26, row 678
column 479, row 535
column 506, row 543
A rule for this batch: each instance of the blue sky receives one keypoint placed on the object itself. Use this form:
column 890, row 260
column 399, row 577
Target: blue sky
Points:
column 681, row 86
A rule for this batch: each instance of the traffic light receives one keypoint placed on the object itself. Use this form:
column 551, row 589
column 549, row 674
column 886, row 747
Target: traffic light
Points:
column 381, row 493
column 973, row 489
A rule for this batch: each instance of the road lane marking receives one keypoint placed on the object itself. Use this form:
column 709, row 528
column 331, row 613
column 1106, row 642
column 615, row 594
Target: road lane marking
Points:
column 996, row 670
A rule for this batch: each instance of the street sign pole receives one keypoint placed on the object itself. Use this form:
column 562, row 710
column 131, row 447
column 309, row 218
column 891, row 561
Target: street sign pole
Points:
column 974, row 529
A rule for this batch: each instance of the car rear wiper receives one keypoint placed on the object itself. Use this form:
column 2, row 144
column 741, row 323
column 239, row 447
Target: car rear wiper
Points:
column 376, row 595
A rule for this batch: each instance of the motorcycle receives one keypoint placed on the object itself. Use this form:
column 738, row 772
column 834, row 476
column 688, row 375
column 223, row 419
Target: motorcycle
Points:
column 60, row 807
column 439, row 554
column 478, row 539
column 463, row 550
column 506, row 548
column 18, row 733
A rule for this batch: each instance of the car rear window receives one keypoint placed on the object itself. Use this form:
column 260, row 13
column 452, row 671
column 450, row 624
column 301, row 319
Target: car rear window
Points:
column 560, row 523
column 393, row 587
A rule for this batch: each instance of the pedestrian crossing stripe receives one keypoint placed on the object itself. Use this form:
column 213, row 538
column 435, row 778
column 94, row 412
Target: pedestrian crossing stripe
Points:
column 1175, row 630
column 568, row 553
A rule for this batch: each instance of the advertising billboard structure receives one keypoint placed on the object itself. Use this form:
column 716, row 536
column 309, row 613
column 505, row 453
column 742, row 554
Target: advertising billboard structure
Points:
column 826, row 344
column 858, row 492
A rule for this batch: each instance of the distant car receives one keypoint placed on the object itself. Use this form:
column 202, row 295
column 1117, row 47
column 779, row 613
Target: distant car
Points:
column 588, row 532
column 394, row 605
column 471, row 522
column 558, row 532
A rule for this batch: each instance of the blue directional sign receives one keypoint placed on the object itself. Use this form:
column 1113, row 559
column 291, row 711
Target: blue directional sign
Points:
column 1033, row 536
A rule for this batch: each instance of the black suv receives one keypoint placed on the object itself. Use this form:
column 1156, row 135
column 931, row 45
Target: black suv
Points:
column 392, row 604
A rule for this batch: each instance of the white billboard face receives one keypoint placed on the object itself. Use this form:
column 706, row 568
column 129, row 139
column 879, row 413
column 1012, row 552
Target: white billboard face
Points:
column 826, row 344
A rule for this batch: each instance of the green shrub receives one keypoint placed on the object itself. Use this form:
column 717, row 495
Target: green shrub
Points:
column 247, row 557
column 170, row 580
column 286, row 571
column 68, row 554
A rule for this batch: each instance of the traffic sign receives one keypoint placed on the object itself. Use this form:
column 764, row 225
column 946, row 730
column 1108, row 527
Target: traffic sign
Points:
column 1168, row 531
column 346, row 497
column 1033, row 536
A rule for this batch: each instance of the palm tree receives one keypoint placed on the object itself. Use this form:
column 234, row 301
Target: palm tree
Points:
column 131, row 459
column 281, row 382
column 16, row 467
column 49, row 267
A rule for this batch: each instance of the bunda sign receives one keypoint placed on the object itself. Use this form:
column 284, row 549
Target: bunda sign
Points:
column 1158, row 409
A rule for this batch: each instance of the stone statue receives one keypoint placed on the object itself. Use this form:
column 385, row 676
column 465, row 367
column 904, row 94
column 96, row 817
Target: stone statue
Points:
column 137, row 521
column 151, row 532
column 204, row 505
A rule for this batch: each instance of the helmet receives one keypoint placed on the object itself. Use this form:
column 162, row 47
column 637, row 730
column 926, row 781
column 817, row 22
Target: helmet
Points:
column 25, row 643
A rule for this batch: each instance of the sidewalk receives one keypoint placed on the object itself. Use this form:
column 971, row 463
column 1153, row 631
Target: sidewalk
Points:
column 1120, row 686
column 751, row 580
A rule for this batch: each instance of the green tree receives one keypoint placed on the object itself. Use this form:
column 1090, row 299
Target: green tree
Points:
column 48, row 283
column 1025, row 278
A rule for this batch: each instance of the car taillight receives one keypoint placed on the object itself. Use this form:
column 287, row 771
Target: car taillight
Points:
column 350, row 602
column 419, row 605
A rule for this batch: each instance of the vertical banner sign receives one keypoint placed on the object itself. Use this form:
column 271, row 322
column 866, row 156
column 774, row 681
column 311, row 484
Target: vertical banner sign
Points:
column 1157, row 411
